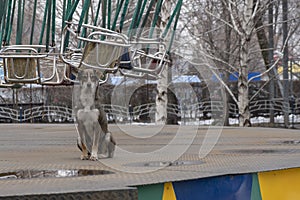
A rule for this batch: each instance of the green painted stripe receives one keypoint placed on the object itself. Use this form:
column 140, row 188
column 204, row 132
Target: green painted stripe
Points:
column 255, row 192
column 150, row 192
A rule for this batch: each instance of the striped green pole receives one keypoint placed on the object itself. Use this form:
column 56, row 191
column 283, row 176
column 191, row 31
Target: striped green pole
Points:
column 22, row 19
column 156, row 15
column 72, row 10
column 53, row 22
column 120, row 4
column 86, row 21
column 104, row 5
column 176, row 13
column 84, row 30
column 97, row 13
column 175, row 26
column 141, row 13
column 48, row 25
column 33, row 21
column 69, row 5
column 2, row 9
column 19, row 23
column 123, row 15
column 134, row 17
column 7, row 39
column 85, row 10
column 108, row 14
column 63, row 15
column 146, row 17
column 9, row 6
column 44, row 23
column 2, row 23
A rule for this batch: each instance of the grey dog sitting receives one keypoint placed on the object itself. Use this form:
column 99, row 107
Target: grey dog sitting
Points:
column 94, row 137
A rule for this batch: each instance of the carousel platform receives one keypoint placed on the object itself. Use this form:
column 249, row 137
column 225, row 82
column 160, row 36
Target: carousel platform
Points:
column 42, row 161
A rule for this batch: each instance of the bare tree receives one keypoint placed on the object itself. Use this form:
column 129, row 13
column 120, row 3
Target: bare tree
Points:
column 232, row 35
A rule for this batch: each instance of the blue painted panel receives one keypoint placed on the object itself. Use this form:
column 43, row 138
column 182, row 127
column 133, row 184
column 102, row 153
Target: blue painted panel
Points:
column 234, row 77
column 236, row 187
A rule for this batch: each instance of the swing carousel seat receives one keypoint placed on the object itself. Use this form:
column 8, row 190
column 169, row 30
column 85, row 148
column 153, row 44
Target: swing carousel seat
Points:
column 144, row 63
column 26, row 64
column 102, row 49
column 103, row 54
column 3, row 84
column 21, row 63
column 52, row 70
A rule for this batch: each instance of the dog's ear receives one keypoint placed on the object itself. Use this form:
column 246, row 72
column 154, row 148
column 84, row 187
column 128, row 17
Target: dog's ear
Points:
column 98, row 74
column 79, row 75
column 95, row 71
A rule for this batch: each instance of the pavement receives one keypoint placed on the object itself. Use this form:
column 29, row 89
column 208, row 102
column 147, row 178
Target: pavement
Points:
column 43, row 160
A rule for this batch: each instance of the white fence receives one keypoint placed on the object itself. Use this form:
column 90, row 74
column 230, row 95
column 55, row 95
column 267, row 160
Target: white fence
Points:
column 37, row 114
column 199, row 112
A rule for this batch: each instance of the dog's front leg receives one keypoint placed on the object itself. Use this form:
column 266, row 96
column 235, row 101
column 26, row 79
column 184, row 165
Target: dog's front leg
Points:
column 96, row 135
column 84, row 155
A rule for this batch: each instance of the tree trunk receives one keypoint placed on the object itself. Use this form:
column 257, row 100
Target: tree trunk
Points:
column 226, row 57
column 243, row 87
column 162, row 83
column 243, row 97
column 271, row 61
column 162, row 98
column 285, row 60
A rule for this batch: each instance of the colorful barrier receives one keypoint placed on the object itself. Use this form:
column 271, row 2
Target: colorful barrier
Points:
column 272, row 185
column 280, row 185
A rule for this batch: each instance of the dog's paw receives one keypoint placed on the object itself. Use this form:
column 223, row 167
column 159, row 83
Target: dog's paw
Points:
column 94, row 158
column 84, row 157
column 110, row 154
column 110, row 150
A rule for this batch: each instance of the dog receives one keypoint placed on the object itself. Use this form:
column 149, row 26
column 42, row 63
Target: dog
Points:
column 94, row 137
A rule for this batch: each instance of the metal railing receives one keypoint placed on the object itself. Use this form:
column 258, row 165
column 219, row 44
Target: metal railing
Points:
column 37, row 114
column 191, row 112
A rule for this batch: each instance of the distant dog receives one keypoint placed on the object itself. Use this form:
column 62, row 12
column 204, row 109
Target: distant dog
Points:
column 94, row 137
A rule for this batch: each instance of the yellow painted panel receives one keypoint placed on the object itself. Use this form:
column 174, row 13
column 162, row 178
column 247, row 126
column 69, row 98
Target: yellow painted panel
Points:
column 280, row 185
column 169, row 193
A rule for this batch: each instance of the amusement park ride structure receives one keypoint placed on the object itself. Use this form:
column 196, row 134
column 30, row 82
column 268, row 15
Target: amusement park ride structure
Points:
column 96, row 40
